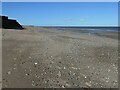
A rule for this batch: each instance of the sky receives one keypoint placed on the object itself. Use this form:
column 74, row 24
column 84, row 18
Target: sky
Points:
column 62, row 13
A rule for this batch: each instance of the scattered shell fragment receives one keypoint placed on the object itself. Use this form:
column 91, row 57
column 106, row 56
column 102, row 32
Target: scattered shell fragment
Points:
column 59, row 74
column 14, row 68
column 30, row 57
column 68, row 85
column 85, row 76
column 59, row 67
column 14, row 58
column 63, row 86
column 84, row 48
column 88, row 66
column 88, row 84
column 36, row 63
column 74, row 74
column 108, row 70
column 74, row 68
column 6, row 86
column 27, row 74
column 45, row 81
column 9, row 72
column 102, row 54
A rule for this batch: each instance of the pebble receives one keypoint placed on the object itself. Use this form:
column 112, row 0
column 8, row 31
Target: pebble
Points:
column 74, row 68
column 27, row 74
column 14, row 68
column 30, row 57
column 14, row 58
column 9, row 72
column 88, row 84
column 85, row 76
column 36, row 63
column 6, row 86
column 88, row 66
column 63, row 86
column 59, row 67
column 59, row 74
column 108, row 70
column 74, row 74
column 102, row 54
column 68, row 85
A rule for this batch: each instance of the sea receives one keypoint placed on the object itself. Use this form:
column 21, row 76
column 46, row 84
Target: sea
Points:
column 88, row 29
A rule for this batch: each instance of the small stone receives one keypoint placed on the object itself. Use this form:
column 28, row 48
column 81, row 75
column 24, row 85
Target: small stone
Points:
column 88, row 66
column 102, row 54
column 74, row 74
column 14, row 58
column 84, row 48
column 68, row 85
column 88, row 84
column 59, row 74
column 63, row 86
column 14, row 68
column 108, row 70
column 30, row 57
column 73, row 67
column 59, row 58
column 59, row 67
column 113, row 65
column 64, row 67
column 5, row 86
column 9, row 72
column 33, row 81
column 36, row 63
column 27, row 74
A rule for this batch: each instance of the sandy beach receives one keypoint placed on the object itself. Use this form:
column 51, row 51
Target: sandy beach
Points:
column 38, row 57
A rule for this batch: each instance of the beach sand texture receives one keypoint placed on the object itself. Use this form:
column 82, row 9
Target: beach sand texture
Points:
column 42, row 57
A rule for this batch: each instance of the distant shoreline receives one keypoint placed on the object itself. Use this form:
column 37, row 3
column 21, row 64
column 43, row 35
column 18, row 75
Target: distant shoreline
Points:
column 75, row 26
column 76, row 29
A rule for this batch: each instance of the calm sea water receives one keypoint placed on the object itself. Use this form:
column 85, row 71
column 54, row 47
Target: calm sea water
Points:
column 101, row 31
column 88, row 29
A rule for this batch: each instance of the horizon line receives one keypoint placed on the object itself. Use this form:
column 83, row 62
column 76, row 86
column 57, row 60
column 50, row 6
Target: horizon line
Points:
column 66, row 26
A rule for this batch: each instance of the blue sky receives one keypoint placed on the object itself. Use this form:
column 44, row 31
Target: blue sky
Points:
column 63, row 13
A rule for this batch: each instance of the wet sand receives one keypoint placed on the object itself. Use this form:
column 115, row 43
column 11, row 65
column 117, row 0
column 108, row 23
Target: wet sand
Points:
column 42, row 57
